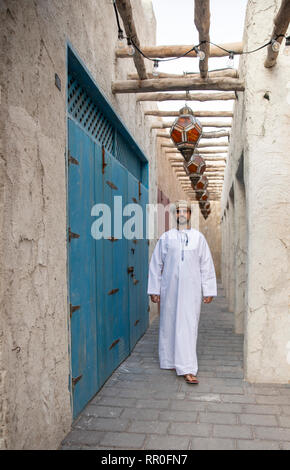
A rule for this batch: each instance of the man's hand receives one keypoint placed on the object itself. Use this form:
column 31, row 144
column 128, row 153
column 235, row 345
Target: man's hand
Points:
column 207, row 300
column 155, row 298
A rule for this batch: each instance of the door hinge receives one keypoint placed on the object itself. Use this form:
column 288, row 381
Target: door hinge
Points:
column 71, row 159
column 113, row 239
column 75, row 380
column 73, row 308
column 114, row 344
column 111, row 185
column 113, row 291
column 139, row 189
column 72, row 234
column 130, row 269
column 104, row 164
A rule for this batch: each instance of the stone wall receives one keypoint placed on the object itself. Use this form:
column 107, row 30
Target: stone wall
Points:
column 210, row 228
column 35, row 407
column 256, row 233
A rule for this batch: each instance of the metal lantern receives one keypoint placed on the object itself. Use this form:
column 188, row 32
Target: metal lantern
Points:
column 202, row 183
column 186, row 132
column 195, row 164
column 201, row 196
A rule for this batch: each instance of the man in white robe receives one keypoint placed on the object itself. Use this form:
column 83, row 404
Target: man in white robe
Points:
column 181, row 271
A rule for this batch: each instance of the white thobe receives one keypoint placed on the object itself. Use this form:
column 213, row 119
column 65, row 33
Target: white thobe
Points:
column 181, row 271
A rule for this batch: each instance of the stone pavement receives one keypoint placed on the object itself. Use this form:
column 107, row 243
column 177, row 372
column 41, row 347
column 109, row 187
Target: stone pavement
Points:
column 143, row 407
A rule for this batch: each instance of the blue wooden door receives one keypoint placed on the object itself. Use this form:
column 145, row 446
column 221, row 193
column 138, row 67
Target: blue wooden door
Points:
column 111, row 271
column 108, row 303
column 138, row 256
column 82, row 269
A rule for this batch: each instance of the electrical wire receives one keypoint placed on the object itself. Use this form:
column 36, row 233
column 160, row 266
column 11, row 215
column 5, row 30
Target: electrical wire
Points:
column 131, row 40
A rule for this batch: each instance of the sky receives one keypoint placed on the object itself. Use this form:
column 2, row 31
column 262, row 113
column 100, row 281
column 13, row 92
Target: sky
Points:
column 175, row 25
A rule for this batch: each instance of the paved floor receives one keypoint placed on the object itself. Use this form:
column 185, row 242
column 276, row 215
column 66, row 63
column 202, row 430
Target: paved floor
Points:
column 143, row 407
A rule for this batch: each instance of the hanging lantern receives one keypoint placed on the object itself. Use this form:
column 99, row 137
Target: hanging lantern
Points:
column 186, row 132
column 194, row 179
column 204, row 205
column 196, row 165
column 202, row 183
column 201, row 195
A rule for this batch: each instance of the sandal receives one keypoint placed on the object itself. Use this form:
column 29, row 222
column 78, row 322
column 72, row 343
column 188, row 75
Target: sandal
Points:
column 190, row 379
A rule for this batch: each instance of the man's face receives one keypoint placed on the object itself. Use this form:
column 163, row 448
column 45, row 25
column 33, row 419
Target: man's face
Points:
column 183, row 215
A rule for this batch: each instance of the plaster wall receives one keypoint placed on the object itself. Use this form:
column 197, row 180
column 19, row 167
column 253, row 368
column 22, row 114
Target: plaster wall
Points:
column 211, row 229
column 35, row 409
column 261, row 131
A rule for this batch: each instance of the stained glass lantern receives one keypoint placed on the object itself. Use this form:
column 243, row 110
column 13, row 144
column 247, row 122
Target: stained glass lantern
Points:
column 201, row 196
column 196, row 164
column 186, row 132
column 202, row 183
column 204, row 205
column 194, row 179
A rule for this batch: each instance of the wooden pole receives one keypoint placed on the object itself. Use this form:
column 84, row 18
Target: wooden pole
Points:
column 167, row 125
column 202, row 22
column 281, row 23
column 186, row 97
column 125, row 10
column 162, row 52
column 177, row 84
column 203, row 151
column 200, row 145
column 219, row 73
column 196, row 113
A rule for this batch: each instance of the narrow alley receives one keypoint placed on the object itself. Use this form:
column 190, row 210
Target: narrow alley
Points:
column 144, row 407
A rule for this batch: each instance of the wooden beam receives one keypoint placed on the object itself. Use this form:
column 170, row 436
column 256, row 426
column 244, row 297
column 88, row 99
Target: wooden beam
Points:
column 202, row 22
column 167, row 125
column 203, row 151
column 200, row 145
column 219, row 73
column 281, row 23
column 176, row 84
column 125, row 10
column 186, row 96
column 161, row 52
column 196, row 113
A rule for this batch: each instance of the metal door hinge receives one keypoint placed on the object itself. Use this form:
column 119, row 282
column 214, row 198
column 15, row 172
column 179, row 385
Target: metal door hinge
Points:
column 104, row 164
column 71, row 159
column 113, row 239
column 111, row 185
column 113, row 291
column 75, row 380
column 72, row 234
column 114, row 344
column 73, row 308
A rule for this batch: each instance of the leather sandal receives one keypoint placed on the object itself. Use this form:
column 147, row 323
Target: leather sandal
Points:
column 190, row 379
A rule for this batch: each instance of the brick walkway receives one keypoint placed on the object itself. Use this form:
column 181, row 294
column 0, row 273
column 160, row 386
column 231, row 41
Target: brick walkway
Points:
column 143, row 407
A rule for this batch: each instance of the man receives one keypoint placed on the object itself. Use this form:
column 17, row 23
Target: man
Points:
column 180, row 272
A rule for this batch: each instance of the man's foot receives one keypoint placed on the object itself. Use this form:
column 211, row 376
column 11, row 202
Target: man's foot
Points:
column 190, row 379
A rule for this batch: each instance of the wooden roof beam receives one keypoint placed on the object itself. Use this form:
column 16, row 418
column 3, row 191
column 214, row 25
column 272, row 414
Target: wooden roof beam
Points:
column 281, row 23
column 196, row 113
column 177, row 84
column 186, row 96
column 167, row 125
column 202, row 23
column 162, row 52
column 218, row 73
column 125, row 10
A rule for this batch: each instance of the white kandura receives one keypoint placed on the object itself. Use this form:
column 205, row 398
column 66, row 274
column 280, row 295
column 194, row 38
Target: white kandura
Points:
column 181, row 271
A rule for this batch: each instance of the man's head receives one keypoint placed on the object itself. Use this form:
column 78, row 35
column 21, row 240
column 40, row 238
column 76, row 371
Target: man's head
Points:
column 183, row 213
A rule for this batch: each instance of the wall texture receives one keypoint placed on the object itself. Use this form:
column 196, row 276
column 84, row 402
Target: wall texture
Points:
column 35, row 409
column 261, row 133
column 210, row 228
